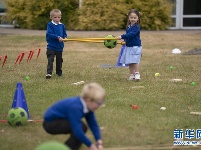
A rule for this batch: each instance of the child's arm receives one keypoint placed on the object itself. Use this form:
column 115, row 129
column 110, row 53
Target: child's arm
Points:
column 76, row 124
column 91, row 120
column 65, row 33
column 134, row 31
column 50, row 33
column 99, row 144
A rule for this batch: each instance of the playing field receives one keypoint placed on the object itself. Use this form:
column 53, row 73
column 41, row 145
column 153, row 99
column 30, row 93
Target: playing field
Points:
column 122, row 126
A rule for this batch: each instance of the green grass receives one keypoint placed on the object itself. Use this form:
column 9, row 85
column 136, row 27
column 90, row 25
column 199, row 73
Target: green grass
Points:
column 147, row 125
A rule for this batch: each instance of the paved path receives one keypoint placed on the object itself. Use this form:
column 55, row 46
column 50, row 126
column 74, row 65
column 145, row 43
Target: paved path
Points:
column 87, row 33
column 70, row 33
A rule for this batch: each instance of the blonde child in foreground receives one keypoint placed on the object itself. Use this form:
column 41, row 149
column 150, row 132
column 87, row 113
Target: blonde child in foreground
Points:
column 133, row 49
column 65, row 117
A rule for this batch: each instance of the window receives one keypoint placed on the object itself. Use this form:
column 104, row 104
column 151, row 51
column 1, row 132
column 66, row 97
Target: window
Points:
column 191, row 22
column 192, row 7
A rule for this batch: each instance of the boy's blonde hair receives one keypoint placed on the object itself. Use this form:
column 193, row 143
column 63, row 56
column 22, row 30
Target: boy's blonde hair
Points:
column 54, row 11
column 93, row 91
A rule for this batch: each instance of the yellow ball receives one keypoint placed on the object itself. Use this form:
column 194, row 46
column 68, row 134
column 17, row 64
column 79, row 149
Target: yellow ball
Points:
column 157, row 74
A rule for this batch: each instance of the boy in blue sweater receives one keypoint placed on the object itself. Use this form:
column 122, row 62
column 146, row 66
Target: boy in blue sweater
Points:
column 55, row 34
column 65, row 117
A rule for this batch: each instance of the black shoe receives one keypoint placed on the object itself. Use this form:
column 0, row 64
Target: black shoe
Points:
column 48, row 76
column 59, row 75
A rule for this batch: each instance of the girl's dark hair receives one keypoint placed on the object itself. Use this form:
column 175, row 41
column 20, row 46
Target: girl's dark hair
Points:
column 137, row 13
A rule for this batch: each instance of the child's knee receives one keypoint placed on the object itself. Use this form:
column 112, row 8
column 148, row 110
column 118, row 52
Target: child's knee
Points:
column 51, row 59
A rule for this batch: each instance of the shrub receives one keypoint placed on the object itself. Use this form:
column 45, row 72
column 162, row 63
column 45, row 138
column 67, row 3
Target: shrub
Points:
column 34, row 14
column 155, row 14
column 102, row 15
column 93, row 15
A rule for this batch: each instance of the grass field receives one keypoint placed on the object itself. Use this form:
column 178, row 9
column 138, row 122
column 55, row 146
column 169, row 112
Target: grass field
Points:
column 123, row 126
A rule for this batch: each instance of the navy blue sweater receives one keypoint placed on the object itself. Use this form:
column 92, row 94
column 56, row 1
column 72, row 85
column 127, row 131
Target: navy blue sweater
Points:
column 53, row 31
column 132, row 36
column 72, row 110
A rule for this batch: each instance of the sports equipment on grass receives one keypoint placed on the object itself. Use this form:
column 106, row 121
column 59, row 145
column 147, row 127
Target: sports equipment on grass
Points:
column 195, row 113
column 193, row 83
column 171, row 67
column 52, row 145
column 135, row 107
column 157, row 74
column 109, row 41
column 175, row 80
column 27, row 78
column 17, row 116
column 19, row 99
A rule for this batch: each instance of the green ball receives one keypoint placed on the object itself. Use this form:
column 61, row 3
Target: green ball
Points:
column 17, row 116
column 27, row 78
column 52, row 145
column 171, row 67
column 193, row 83
column 110, row 43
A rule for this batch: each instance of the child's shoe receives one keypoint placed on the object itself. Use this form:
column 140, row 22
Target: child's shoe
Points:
column 48, row 76
column 132, row 77
column 137, row 76
column 59, row 75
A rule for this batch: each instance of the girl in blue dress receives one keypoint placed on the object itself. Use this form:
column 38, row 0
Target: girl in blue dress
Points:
column 133, row 49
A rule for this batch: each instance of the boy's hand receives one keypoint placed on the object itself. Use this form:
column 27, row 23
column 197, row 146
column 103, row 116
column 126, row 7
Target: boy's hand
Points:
column 93, row 147
column 60, row 39
column 99, row 144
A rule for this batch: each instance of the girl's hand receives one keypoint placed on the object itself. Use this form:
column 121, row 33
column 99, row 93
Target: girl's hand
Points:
column 118, row 37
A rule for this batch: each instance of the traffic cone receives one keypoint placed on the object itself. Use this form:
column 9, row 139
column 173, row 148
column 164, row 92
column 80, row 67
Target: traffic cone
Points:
column 20, row 99
column 118, row 61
